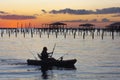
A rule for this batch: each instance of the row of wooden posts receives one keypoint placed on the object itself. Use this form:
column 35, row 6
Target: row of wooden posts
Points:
column 63, row 31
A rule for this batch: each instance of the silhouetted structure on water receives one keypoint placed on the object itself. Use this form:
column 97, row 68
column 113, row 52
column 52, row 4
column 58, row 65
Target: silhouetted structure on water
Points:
column 58, row 28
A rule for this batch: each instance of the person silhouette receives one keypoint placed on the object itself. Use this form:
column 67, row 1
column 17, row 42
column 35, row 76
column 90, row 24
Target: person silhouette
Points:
column 44, row 54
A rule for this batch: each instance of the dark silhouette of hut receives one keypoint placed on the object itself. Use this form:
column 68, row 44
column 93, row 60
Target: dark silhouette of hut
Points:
column 57, row 25
column 45, row 25
column 115, row 26
column 86, row 26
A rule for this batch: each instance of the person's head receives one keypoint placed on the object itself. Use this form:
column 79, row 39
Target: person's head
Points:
column 44, row 48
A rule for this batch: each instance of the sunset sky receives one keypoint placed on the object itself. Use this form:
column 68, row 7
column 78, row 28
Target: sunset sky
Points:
column 73, row 12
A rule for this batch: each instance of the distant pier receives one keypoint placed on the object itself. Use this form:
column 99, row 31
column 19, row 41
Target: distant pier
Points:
column 82, row 32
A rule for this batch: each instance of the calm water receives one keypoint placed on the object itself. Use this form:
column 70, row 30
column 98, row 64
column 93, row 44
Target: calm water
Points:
column 97, row 59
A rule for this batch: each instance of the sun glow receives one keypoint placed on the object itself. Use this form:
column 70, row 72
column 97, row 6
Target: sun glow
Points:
column 38, row 12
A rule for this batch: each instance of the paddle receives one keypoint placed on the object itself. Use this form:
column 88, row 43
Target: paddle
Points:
column 53, row 49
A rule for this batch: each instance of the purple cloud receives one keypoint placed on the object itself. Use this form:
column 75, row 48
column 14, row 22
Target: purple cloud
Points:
column 71, row 11
column 2, row 12
column 94, row 20
column 17, row 17
column 44, row 11
column 83, row 11
column 117, row 15
column 108, row 10
column 81, row 20
column 105, row 20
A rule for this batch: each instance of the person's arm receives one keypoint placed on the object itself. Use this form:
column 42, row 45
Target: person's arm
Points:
column 50, row 53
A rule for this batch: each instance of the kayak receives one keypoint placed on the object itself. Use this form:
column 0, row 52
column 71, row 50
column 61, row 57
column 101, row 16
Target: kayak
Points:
column 53, row 62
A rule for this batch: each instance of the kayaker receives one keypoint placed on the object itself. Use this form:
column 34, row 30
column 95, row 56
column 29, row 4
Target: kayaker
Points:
column 44, row 54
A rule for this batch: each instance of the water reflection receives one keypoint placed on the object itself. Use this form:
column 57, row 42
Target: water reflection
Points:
column 45, row 70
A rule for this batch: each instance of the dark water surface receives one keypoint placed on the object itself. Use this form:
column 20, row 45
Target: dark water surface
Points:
column 97, row 59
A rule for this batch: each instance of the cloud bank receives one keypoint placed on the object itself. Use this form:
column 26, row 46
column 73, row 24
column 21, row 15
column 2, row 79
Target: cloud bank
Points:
column 44, row 11
column 71, row 11
column 81, row 20
column 105, row 20
column 2, row 12
column 17, row 17
column 9, row 16
column 117, row 15
column 83, row 11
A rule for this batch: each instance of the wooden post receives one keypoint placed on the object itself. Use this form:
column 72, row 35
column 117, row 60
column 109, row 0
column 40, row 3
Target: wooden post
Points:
column 2, row 32
column 40, row 33
column 113, row 34
column 102, row 34
column 24, row 34
column 84, row 35
column 31, row 33
column 64, row 35
column 56, row 33
column 48, row 33
column 9, row 33
column 74, row 34
column 92, row 35
column 16, row 34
